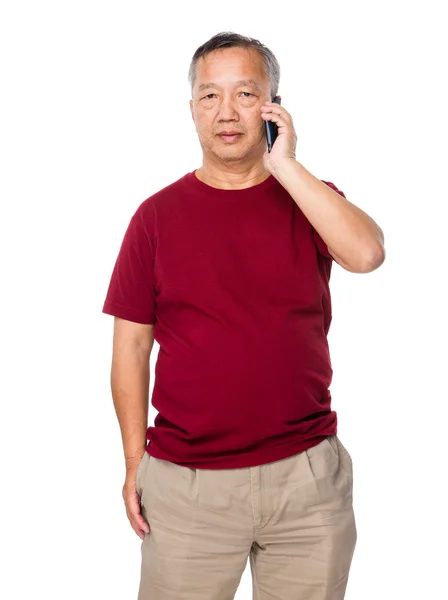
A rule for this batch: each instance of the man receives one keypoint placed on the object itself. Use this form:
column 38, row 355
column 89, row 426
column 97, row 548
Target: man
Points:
column 228, row 269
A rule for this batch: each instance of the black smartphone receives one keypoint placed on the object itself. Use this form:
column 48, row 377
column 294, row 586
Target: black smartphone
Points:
column 271, row 128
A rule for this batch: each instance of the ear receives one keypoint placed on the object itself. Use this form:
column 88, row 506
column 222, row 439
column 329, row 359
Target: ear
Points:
column 191, row 109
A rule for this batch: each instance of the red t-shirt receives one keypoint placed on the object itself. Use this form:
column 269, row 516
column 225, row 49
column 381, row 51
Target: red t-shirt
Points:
column 236, row 283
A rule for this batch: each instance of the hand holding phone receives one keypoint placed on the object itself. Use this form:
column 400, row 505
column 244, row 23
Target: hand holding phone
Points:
column 271, row 128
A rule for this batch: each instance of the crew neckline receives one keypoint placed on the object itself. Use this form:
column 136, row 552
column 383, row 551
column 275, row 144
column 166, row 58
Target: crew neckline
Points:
column 199, row 185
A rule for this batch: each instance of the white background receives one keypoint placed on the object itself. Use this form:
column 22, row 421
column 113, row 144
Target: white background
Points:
column 95, row 119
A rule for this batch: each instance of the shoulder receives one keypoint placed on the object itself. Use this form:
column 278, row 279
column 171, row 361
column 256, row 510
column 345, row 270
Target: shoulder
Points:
column 148, row 209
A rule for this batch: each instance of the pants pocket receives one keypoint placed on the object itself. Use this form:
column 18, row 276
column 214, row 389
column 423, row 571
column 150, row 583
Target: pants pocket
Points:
column 341, row 453
column 138, row 474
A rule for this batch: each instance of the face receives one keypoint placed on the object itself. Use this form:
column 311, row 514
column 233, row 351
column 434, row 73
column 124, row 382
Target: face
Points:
column 225, row 100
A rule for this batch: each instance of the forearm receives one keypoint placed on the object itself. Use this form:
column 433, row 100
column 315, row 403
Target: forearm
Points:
column 347, row 230
column 130, row 392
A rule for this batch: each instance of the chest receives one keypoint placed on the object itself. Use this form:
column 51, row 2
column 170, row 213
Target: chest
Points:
column 262, row 252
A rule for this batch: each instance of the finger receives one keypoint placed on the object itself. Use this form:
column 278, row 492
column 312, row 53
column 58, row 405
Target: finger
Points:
column 276, row 113
column 277, row 119
column 138, row 530
column 274, row 107
column 139, row 525
column 135, row 516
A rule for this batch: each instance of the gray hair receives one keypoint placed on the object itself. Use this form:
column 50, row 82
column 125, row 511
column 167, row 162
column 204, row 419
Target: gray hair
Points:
column 229, row 39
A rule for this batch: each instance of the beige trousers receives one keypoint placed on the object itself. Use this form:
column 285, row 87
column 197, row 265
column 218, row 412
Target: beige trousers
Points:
column 293, row 518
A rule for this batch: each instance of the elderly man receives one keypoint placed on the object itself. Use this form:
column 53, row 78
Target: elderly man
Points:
column 228, row 269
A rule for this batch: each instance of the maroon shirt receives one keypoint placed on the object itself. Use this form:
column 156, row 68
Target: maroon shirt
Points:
column 236, row 283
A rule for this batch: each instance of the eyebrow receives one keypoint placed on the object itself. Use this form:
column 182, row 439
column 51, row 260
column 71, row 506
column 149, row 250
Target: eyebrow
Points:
column 248, row 82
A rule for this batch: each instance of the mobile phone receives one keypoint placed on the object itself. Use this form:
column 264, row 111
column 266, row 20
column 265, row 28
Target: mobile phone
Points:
column 271, row 128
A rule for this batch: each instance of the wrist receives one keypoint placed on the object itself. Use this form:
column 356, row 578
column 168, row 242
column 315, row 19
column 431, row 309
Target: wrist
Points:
column 287, row 168
column 132, row 461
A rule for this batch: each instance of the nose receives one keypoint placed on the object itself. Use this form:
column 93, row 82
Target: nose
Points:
column 227, row 109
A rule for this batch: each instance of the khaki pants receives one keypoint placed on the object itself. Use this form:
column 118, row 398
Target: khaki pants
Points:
column 293, row 518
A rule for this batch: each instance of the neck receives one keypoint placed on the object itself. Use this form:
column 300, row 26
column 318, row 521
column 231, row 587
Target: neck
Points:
column 232, row 180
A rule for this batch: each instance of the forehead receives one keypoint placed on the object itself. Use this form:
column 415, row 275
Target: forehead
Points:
column 241, row 82
column 240, row 66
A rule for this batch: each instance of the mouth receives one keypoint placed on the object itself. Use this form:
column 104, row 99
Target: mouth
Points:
column 230, row 137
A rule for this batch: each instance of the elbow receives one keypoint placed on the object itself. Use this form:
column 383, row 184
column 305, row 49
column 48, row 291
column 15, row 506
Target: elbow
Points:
column 375, row 258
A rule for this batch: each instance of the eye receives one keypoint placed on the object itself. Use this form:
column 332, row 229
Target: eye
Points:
column 211, row 94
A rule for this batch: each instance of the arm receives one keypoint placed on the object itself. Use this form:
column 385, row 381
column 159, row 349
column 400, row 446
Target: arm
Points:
column 131, row 299
column 353, row 238
column 132, row 345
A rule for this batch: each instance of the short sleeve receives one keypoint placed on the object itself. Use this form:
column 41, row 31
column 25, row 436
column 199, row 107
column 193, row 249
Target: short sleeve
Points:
column 131, row 292
column 321, row 245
